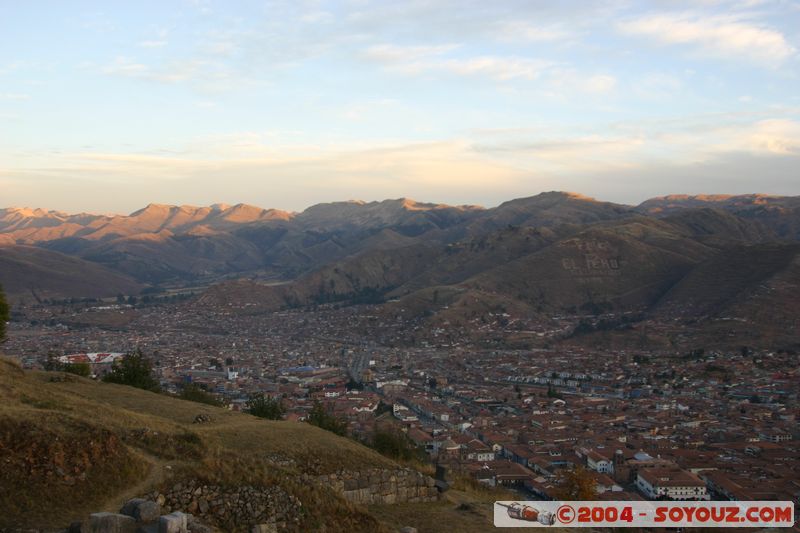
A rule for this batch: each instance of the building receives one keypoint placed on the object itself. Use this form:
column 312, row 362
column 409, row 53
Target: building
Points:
column 670, row 484
column 598, row 463
column 100, row 363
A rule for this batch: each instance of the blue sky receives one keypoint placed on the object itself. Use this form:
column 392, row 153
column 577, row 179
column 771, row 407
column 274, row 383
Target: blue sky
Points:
column 107, row 106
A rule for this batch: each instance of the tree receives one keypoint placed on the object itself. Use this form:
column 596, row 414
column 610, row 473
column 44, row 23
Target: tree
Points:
column 4, row 314
column 195, row 393
column 265, row 407
column 133, row 370
column 393, row 444
column 79, row 369
column 52, row 364
column 576, row 484
column 383, row 407
column 319, row 417
column 354, row 385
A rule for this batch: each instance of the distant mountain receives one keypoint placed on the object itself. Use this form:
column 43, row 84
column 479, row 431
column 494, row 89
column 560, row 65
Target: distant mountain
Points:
column 551, row 209
column 555, row 252
column 30, row 274
column 779, row 214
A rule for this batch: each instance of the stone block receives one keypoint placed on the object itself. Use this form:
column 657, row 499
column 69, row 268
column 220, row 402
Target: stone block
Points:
column 173, row 523
column 109, row 523
column 142, row 510
column 131, row 505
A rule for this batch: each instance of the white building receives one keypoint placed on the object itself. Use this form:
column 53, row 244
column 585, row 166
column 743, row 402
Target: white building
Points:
column 670, row 483
column 598, row 463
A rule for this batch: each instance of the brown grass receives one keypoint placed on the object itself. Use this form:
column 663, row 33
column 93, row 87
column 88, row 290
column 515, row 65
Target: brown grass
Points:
column 71, row 446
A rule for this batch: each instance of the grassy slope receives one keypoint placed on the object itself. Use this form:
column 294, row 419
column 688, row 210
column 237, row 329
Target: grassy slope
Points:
column 71, row 446
column 54, row 275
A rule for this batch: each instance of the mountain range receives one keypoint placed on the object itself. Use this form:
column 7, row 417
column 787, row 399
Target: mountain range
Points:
column 556, row 252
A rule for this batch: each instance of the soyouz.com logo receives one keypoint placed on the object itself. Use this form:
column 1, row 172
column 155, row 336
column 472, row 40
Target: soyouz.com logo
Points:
column 643, row 514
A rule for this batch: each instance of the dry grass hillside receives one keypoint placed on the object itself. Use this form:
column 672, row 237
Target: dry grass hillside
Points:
column 27, row 273
column 71, row 446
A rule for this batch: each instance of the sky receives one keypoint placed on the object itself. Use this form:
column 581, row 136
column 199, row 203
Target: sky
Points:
column 107, row 106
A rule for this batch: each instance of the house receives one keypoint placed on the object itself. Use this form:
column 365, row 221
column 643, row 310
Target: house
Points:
column 599, row 463
column 475, row 450
column 774, row 435
column 671, row 484
column 603, row 483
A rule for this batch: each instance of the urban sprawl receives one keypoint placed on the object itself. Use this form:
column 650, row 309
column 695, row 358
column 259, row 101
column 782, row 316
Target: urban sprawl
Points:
column 681, row 425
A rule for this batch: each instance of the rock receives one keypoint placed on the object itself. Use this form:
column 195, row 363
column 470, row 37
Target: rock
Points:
column 176, row 522
column 131, row 505
column 195, row 526
column 142, row 510
column 408, row 529
column 109, row 523
column 264, row 528
column 202, row 419
column 74, row 527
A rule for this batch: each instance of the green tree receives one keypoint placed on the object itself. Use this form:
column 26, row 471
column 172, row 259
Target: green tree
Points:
column 4, row 314
column 265, row 407
column 319, row 417
column 52, row 364
column 79, row 369
column 195, row 393
column 393, row 444
column 134, row 370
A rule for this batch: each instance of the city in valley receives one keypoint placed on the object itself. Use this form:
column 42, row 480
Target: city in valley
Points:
column 682, row 423
column 427, row 266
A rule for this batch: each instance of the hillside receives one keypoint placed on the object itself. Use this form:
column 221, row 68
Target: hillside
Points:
column 780, row 214
column 29, row 274
column 553, row 253
column 72, row 446
column 621, row 265
column 178, row 244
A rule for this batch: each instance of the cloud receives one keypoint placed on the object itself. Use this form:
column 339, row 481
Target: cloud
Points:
column 715, row 36
column 205, row 73
column 562, row 81
column 153, row 44
column 526, row 31
column 284, row 177
column 771, row 137
column 14, row 96
column 601, row 83
column 645, row 145
column 618, row 162
column 393, row 54
column 414, row 60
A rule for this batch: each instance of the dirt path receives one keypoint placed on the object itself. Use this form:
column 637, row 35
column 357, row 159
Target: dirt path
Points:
column 158, row 472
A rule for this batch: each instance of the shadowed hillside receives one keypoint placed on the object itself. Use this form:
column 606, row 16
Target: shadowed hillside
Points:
column 31, row 274
column 72, row 446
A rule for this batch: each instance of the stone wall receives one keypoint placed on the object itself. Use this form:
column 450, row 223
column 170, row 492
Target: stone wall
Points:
column 231, row 506
column 228, row 506
column 381, row 486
